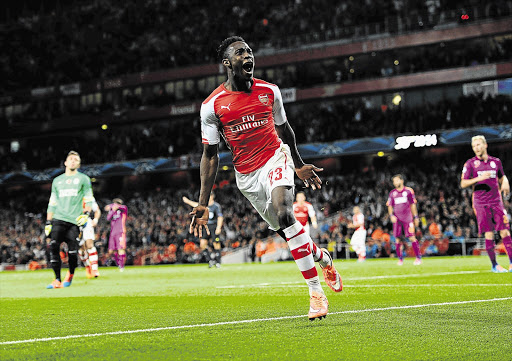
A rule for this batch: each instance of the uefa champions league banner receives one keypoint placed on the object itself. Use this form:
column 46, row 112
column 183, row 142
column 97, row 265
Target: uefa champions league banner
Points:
column 308, row 151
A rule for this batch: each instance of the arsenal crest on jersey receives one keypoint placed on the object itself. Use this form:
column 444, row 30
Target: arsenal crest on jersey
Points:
column 477, row 163
column 264, row 99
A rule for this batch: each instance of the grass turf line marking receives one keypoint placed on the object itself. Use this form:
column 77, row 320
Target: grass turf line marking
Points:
column 266, row 285
column 363, row 278
column 246, row 321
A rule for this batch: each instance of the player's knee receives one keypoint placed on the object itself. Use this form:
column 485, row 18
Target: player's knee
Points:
column 54, row 251
column 504, row 233
column 285, row 217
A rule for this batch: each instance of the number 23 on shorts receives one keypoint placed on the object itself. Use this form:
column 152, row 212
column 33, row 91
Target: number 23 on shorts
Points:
column 275, row 175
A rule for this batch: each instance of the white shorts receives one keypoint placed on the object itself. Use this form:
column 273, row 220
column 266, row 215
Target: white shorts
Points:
column 358, row 238
column 88, row 231
column 257, row 186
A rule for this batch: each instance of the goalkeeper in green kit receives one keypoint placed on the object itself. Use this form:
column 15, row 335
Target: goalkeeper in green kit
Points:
column 66, row 213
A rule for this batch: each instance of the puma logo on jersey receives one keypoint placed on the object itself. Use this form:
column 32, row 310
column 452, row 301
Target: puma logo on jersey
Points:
column 225, row 107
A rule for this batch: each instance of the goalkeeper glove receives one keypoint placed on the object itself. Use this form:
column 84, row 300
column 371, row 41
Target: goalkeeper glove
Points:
column 82, row 219
column 48, row 228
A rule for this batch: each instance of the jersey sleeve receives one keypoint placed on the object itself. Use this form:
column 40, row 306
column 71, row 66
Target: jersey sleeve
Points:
column 219, row 211
column 52, row 204
column 411, row 196
column 467, row 171
column 87, row 191
column 390, row 201
column 209, row 124
column 278, row 107
column 311, row 210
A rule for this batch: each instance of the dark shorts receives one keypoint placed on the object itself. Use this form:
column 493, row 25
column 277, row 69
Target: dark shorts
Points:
column 491, row 217
column 406, row 227
column 210, row 237
column 65, row 232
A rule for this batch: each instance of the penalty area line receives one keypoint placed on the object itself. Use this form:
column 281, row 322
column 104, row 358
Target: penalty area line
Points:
column 246, row 321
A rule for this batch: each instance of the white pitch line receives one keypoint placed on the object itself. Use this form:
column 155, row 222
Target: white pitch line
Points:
column 246, row 321
column 361, row 278
column 263, row 285
column 415, row 275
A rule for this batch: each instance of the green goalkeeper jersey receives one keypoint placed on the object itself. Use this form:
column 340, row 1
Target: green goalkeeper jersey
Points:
column 69, row 194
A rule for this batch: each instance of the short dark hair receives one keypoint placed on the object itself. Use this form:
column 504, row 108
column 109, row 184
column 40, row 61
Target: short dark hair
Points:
column 221, row 50
column 398, row 176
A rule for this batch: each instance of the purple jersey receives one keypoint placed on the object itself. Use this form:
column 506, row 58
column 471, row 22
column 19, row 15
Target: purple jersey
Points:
column 486, row 191
column 117, row 219
column 401, row 201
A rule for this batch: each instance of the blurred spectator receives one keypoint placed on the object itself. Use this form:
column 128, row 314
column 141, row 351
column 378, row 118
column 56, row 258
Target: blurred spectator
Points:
column 80, row 41
column 314, row 122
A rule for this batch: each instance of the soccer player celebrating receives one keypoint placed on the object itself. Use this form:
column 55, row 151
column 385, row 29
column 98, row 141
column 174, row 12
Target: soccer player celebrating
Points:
column 214, row 225
column 358, row 239
column 304, row 211
column 117, row 214
column 88, row 253
column 485, row 175
column 249, row 113
column 402, row 210
column 65, row 215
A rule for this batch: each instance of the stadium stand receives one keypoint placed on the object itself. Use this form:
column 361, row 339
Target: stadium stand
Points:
column 66, row 75
column 320, row 122
column 157, row 226
column 85, row 40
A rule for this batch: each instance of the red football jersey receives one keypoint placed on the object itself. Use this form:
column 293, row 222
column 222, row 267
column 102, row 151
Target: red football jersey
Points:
column 246, row 121
column 303, row 212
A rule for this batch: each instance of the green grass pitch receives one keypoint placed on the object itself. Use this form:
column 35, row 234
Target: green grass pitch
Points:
column 195, row 313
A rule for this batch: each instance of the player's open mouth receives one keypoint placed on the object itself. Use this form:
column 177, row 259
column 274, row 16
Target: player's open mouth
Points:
column 248, row 67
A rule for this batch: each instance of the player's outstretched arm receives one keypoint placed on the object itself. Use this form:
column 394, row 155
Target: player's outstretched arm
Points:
column 208, row 171
column 306, row 172
column 189, row 202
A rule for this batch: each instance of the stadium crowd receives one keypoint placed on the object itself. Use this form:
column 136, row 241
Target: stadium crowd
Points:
column 157, row 225
column 102, row 38
column 373, row 65
column 83, row 41
column 348, row 118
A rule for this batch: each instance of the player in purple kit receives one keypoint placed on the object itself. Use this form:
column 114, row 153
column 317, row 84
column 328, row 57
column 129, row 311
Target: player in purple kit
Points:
column 402, row 211
column 485, row 174
column 117, row 214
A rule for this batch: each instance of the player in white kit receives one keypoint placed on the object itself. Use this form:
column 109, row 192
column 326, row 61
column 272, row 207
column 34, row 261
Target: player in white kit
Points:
column 358, row 240
column 88, row 253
